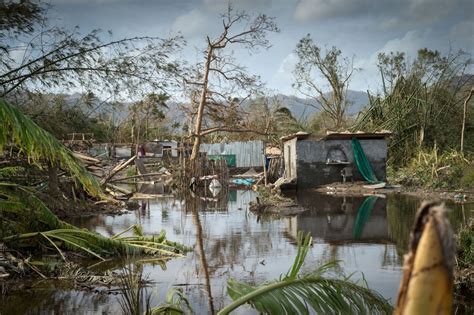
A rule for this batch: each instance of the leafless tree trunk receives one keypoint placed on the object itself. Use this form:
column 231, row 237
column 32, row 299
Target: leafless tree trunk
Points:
column 466, row 101
column 230, row 78
column 202, row 103
column 53, row 182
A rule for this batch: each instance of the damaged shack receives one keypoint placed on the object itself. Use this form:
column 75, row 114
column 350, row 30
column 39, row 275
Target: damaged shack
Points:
column 315, row 161
column 237, row 154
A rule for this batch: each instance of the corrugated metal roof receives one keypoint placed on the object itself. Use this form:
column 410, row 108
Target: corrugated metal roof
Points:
column 331, row 135
column 248, row 154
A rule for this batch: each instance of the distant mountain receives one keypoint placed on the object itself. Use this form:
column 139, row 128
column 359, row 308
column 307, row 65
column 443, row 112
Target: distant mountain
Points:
column 300, row 107
column 303, row 108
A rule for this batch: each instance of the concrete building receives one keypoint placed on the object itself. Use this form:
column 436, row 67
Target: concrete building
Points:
column 316, row 161
column 160, row 148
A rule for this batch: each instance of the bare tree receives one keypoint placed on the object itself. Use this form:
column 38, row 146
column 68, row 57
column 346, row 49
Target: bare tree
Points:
column 332, row 68
column 222, row 83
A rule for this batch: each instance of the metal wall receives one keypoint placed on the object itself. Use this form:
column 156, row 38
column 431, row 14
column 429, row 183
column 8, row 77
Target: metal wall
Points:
column 248, row 154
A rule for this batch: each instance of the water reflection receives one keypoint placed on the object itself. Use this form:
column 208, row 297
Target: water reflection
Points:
column 369, row 235
column 340, row 219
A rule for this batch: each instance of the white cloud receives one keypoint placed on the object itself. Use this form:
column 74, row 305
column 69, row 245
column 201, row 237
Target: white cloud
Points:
column 409, row 44
column 288, row 64
column 192, row 23
column 221, row 5
column 318, row 9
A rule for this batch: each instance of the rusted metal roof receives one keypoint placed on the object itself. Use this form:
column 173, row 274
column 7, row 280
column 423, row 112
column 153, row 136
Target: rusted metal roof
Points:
column 343, row 135
column 298, row 135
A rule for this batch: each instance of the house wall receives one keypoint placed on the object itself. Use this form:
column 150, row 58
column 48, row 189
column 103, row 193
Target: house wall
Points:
column 247, row 154
column 155, row 148
column 289, row 156
column 311, row 158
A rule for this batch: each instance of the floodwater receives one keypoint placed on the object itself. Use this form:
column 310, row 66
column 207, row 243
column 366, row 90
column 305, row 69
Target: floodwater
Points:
column 369, row 235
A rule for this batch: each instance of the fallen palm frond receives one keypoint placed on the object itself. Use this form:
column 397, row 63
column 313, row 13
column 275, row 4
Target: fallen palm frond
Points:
column 176, row 303
column 94, row 244
column 23, row 212
column 301, row 294
column 27, row 221
column 40, row 146
column 427, row 283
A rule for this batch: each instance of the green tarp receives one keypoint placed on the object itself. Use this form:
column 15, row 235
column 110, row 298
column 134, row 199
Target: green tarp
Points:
column 363, row 216
column 362, row 163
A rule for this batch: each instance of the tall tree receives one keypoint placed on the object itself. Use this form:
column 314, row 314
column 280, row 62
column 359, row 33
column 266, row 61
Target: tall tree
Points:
column 221, row 82
column 331, row 67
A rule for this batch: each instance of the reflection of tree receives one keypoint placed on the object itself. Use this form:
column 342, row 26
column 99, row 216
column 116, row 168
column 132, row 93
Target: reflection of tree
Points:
column 51, row 299
column 202, row 256
column 401, row 210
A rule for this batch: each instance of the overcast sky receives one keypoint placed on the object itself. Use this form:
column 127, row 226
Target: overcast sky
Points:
column 360, row 28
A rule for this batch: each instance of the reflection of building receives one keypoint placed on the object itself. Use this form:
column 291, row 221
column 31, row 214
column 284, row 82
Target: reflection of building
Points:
column 335, row 219
column 319, row 161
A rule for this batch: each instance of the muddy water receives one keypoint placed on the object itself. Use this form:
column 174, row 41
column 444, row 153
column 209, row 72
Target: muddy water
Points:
column 368, row 236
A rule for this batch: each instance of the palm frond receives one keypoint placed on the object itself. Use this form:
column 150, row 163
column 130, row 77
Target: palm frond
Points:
column 302, row 294
column 176, row 303
column 27, row 213
column 32, row 220
column 95, row 244
column 39, row 145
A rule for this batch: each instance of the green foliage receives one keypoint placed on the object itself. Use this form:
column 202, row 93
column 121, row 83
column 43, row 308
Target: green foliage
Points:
column 432, row 169
column 419, row 101
column 62, row 115
column 467, row 179
column 331, row 67
column 176, row 303
column 465, row 257
column 8, row 171
column 135, row 300
column 22, row 212
column 26, row 221
column 294, row 293
column 39, row 146
column 20, row 17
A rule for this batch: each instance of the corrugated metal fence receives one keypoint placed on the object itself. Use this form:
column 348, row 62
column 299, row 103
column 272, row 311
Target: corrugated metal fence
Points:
column 247, row 154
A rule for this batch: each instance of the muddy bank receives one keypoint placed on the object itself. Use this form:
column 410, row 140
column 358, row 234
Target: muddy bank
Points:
column 466, row 196
column 357, row 188
column 65, row 207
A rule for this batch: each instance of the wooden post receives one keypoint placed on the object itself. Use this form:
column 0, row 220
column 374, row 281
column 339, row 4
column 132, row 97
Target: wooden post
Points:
column 464, row 118
column 264, row 168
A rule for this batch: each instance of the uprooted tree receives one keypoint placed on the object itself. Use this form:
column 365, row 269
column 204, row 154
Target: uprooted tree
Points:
column 219, row 85
column 330, row 66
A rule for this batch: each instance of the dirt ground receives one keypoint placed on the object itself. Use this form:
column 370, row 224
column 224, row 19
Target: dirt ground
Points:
column 357, row 188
